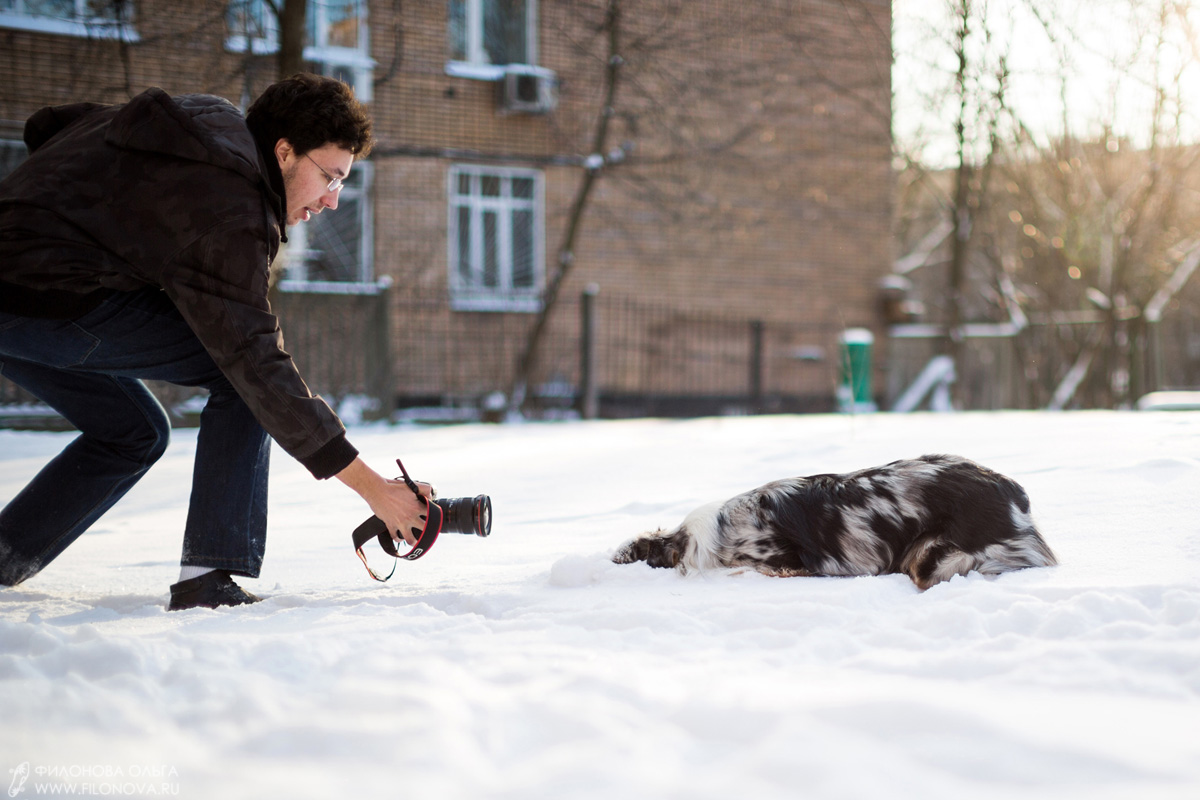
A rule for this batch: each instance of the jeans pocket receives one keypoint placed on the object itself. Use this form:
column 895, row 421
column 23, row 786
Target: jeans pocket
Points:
column 81, row 345
column 50, row 342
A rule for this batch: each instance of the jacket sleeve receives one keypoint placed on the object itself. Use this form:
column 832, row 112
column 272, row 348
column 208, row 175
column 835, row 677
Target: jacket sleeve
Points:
column 220, row 286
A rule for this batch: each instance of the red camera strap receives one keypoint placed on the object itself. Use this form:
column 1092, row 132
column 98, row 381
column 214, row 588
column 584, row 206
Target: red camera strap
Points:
column 375, row 527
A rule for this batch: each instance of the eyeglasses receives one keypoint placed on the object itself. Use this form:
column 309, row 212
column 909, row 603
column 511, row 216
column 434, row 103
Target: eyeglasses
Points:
column 334, row 183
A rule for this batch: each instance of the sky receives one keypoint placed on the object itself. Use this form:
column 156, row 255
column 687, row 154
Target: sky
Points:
column 1106, row 48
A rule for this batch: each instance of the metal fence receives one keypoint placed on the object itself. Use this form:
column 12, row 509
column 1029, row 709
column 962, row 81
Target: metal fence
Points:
column 1055, row 363
column 341, row 343
column 371, row 353
column 420, row 359
column 645, row 358
column 655, row 360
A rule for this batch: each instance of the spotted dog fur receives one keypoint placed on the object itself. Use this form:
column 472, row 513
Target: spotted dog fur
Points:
column 930, row 518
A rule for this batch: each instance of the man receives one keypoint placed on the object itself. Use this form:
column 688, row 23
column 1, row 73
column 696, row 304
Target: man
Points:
column 135, row 242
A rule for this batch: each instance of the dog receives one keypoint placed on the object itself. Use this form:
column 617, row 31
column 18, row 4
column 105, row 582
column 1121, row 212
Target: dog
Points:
column 930, row 518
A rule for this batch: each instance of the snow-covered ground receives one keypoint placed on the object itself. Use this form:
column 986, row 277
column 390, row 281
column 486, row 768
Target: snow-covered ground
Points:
column 528, row 666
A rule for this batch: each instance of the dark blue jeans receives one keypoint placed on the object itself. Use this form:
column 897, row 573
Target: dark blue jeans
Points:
column 90, row 370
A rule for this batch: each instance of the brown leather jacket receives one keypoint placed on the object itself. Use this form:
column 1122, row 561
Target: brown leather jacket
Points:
column 167, row 192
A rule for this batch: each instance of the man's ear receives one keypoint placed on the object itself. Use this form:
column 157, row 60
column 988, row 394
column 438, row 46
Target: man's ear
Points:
column 284, row 151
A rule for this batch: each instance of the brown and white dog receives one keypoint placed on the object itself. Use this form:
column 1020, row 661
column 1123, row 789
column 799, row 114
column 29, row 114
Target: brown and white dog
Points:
column 930, row 518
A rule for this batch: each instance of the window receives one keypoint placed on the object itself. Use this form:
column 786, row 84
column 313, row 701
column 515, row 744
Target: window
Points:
column 485, row 35
column 495, row 239
column 332, row 251
column 251, row 27
column 110, row 19
column 336, row 41
column 337, row 25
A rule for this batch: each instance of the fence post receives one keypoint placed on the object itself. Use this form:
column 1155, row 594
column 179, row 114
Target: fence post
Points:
column 757, row 328
column 589, row 400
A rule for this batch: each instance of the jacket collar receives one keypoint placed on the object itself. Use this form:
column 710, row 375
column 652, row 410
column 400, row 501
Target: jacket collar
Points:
column 273, row 176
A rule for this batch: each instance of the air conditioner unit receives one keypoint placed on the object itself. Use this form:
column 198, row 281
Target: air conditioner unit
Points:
column 526, row 89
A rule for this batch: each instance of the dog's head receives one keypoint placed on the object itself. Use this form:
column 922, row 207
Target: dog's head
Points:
column 658, row 549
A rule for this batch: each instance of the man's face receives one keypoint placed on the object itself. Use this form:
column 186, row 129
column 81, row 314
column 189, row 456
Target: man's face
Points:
column 307, row 177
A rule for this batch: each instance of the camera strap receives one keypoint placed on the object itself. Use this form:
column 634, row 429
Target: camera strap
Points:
column 375, row 527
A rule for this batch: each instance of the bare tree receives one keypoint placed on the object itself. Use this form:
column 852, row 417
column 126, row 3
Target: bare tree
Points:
column 1087, row 233
column 973, row 97
column 611, row 28
column 291, row 14
column 1122, row 215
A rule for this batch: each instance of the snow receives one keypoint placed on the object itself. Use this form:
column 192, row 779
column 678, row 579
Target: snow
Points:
column 525, row 665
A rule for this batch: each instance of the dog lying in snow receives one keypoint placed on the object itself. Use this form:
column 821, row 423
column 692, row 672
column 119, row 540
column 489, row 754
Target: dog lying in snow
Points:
column 930, row 518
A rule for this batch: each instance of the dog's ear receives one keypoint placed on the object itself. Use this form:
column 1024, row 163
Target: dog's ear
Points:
column 666, row 551
column 673, row 553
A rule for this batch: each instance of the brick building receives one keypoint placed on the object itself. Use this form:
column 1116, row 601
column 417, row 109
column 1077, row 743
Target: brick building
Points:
column 739, row 217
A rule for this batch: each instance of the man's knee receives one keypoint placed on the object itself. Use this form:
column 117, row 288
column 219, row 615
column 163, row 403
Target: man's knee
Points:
column 157, row 436
column 143, row 442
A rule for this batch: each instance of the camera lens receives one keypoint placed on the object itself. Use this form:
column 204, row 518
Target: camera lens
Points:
column 467, row 515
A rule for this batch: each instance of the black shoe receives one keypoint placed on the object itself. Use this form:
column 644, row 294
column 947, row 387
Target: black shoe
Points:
column 210, row 590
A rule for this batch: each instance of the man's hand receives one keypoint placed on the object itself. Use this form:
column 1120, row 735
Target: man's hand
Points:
column 390, row 500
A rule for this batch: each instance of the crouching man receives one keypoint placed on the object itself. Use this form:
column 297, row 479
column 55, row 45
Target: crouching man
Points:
column 135, row 243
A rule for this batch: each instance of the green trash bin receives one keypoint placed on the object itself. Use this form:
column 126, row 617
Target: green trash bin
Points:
column 854, row 391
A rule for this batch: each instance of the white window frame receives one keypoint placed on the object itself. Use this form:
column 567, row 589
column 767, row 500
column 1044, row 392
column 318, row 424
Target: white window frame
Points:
column 476, row 64
column 295, row 279
column 81, row 23
column 262, row 42
column 472, row 295
column 356, row 60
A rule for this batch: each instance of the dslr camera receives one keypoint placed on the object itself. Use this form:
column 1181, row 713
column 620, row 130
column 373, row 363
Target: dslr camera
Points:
column 466, row 515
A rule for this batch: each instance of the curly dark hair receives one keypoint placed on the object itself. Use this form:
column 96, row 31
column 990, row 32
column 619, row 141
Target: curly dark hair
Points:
column 310, row 111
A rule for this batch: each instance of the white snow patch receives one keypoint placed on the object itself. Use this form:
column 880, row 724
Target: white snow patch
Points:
column 526, row 665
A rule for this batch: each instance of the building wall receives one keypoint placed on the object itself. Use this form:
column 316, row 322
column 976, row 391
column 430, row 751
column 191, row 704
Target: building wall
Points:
column 758, row 184
column 180, row 47
column 758, row 187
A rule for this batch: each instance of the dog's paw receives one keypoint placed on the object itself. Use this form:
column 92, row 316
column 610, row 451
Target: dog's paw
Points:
column 632, row 551
column 655, row 549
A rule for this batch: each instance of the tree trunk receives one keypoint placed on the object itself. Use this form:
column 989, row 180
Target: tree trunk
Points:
column 292, row 16
column 960, row 212
column 593, row 163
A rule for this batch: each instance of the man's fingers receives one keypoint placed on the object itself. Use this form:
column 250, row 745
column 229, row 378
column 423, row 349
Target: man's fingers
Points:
column 411, row 537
